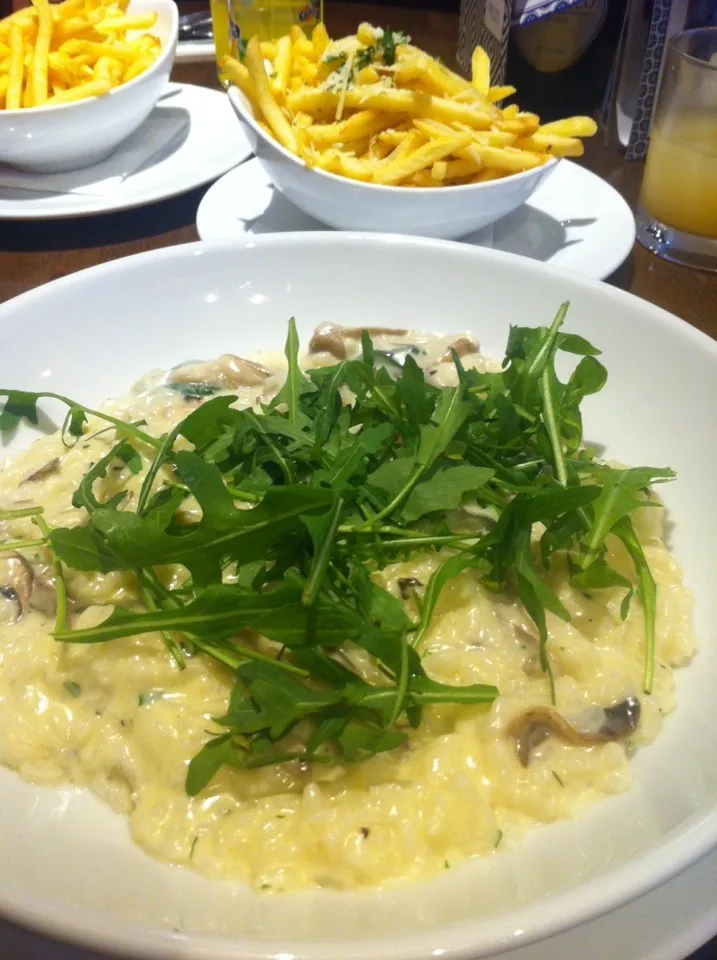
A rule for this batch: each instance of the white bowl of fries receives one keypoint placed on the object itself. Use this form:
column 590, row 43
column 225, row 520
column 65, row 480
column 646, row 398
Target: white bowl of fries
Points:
column 370, row 133
column 79, row 78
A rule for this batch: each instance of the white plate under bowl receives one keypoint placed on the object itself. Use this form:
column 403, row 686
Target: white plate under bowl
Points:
column 195, row 51
column 573, row 220
column 66, row 863
column 214, row 143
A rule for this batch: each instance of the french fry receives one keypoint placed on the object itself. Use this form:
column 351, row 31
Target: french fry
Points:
column 571, row 127
column 392, row 137
column 239, row 76
column 72, row 27
column 136, row 67
column 3, row 88
column 282, row 67
column 319, row 40
column 456, row 169
column 269, row 107
column 301, row 43
column 41, row 52
column 93, row 88
column 378, row 149
column 365, row 123
column 480, row 71
column 500, row 93
column 551, row 143
column 367, row 75
column 21, row 18
column 391, row 101
column 366, row 34
column 415, row 64
column 522, row 124
column 509, row 159
column 412, row 141
column 115, row 24
column 16, row 72
column 391, row 172
column 107, row 68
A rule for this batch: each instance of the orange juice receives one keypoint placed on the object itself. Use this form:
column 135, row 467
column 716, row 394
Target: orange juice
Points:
column 680, row 183
column 268, row 19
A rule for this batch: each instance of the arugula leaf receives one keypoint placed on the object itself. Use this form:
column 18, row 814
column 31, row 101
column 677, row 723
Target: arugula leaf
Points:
column 296, row 383
column 19, row 406
column 445, row 490
column 128, row 541
column 617, row 499
column 448, row 417
column 207, row 763
column 646, row 591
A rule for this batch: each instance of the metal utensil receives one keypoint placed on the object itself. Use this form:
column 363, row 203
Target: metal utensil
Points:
column 195, row 26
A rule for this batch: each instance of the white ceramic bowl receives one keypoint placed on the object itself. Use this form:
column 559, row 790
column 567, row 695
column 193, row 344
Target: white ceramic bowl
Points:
column 443, row 212
column 67, row 865
column 71, row 136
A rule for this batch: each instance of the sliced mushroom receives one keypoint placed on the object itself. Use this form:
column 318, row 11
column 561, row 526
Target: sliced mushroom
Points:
column 535, row 725
column 52, row 466
column 331, row 338
column 328, row 340
column 621, row 719
column 226, row 372
column 463, row 346
column 407, row 585
column 16, row 579
column 43, row 597
column 28, row 588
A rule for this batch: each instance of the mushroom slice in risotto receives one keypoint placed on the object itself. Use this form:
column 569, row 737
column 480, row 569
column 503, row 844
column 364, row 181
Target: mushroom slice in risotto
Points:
column 331, row 338
column 535, row 725
column 225, row 373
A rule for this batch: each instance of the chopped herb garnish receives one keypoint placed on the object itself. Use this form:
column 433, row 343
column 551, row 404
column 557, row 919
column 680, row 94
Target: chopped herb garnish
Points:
column 498, row 840
column 74, row 689
column 304, row 502
column 148, row 697
column 558, row 777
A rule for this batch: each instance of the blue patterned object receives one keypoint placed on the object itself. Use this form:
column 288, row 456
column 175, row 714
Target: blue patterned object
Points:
column 649, row 80
column 528, row 11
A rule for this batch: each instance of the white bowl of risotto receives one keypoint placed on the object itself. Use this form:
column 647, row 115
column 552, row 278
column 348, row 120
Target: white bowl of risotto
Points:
column 446, row 213
column 448, row 844
column 58, row 137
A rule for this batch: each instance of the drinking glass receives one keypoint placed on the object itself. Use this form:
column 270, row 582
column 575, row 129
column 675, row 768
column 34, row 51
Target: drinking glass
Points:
column 677, row 215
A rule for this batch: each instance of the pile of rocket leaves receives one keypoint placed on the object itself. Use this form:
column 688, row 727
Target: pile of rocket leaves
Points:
column 304, row 500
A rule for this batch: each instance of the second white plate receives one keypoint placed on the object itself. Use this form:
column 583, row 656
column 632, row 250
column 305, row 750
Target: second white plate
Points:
column 214, row 143
column 575, row 220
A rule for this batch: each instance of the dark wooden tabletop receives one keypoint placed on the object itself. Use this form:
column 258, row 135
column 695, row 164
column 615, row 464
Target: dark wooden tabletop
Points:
column 33, row 253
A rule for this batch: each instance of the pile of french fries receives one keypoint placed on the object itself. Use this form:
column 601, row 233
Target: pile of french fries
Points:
column 373, row 107
column 59, row 53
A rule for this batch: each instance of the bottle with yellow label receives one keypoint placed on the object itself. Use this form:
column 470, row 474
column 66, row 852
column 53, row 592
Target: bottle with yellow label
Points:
column 237, row 20
column 561, row 62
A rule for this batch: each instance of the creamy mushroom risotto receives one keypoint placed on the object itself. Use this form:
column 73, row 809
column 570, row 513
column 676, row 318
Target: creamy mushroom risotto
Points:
column 337, row 622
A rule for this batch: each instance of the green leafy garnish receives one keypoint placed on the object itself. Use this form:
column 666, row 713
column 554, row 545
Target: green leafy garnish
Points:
column 304, row 502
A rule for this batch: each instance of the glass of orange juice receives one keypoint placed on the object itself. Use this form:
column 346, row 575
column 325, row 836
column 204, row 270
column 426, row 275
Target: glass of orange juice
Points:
column 677, row 216
column 268, row 19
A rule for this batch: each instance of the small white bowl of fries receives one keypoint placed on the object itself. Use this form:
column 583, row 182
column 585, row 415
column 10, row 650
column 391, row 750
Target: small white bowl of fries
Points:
column 370, row 133
column 77, row 78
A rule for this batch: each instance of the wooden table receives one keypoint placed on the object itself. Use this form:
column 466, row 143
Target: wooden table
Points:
column 33, row 253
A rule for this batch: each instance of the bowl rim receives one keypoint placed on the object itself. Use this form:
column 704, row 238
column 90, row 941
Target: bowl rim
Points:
column 240, row 103
column 167, row 51
column 613, row 887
